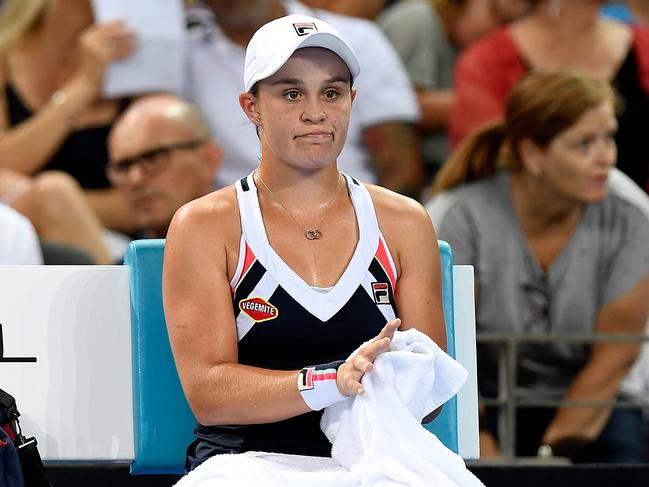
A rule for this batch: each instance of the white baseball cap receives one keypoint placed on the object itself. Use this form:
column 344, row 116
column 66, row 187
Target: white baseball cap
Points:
column 275, row 42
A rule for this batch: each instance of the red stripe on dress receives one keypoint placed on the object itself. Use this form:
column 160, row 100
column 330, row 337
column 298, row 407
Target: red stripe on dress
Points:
column 250, row 258
column 382, row 255
column 247, row 262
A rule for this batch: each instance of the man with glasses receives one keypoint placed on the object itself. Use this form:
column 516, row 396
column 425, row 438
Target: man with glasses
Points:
column 161, row 157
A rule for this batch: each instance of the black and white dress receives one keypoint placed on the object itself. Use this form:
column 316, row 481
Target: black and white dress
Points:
column 285, row 324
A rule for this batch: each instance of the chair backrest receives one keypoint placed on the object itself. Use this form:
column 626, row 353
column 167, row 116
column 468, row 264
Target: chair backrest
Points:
column 445, row 425
column 163, row 421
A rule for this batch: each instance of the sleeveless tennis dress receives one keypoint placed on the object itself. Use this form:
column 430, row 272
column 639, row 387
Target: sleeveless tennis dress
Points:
column 285, row 324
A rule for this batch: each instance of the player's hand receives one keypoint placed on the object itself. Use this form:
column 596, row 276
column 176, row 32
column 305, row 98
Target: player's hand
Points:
column 351, row 372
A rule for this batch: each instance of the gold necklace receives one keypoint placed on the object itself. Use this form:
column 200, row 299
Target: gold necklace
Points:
column 313, row 233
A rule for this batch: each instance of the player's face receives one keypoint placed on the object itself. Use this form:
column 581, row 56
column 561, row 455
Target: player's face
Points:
column 305, row 109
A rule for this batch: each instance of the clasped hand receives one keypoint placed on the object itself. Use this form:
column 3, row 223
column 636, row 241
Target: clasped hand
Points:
column 352, row 371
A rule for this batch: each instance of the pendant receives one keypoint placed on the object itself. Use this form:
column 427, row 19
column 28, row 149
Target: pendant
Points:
column 313, row 234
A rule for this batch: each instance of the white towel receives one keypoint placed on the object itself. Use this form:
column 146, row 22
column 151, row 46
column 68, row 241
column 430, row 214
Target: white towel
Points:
column 377, row 437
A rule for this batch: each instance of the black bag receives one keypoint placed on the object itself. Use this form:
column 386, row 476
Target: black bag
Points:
column 30, row 463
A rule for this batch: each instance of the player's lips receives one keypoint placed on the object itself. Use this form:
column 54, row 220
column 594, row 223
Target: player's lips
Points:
column 316, row 134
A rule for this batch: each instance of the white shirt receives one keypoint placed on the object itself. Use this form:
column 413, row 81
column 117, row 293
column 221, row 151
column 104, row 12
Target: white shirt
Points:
column 18, row 240
column 214, row 81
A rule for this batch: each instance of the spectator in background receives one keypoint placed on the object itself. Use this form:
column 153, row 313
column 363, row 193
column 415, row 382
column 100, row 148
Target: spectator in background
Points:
column 161, row 158
column 52, row 117
column 560, row 34
column 367, row 9
column 427, row 34
column 618, row 10
column 18, row 240
column 60, row 213
column 527, row 204
column 640, row 10
column 509, row 10
column 382, row 143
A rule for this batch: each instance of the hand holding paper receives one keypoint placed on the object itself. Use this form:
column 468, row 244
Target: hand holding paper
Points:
column 156, row 64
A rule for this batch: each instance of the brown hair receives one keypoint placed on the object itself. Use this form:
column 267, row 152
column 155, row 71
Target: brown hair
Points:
column 17, row 18
column 448, row 8
column 541, row 106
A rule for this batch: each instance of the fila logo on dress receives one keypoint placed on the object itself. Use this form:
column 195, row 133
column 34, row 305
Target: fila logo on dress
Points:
column 258, row 309
column 381, row 292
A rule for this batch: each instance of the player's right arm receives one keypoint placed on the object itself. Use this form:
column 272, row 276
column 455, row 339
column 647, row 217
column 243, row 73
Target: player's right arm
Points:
column 201, row 250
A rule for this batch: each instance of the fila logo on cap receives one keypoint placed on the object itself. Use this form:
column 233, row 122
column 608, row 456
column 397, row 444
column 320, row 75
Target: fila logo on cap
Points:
column 381, row 294
column 304, row 28
column 258, row 309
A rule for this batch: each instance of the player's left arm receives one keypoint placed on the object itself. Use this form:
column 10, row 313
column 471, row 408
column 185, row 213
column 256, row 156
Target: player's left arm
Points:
column 412, row 243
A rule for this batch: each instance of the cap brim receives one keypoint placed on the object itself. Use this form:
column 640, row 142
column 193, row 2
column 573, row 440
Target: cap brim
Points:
column 324, row 40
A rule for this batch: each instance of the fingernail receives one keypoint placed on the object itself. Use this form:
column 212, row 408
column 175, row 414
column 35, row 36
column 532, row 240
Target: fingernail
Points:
column 359, row 390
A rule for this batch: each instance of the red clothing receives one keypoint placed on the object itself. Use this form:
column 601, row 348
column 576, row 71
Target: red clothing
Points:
column 487, row 71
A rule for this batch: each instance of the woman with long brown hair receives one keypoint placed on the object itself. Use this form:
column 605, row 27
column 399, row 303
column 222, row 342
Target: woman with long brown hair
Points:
column 559, row 34
column 526, row 201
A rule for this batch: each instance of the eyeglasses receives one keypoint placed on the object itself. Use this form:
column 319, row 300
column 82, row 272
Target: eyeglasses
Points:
column 150, row 162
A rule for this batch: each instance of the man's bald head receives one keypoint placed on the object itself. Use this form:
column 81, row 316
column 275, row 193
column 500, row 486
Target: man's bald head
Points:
column 162, row 157
column 166, row 110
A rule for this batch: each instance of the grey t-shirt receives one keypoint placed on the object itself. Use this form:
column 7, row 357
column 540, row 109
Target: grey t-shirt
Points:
column 607, row 255
column 417, row 34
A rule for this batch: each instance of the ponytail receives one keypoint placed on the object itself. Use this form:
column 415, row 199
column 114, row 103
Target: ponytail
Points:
column 475, row 159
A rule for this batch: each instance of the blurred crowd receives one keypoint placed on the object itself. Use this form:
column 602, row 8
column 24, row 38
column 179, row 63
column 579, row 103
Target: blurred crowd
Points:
column 519, row 124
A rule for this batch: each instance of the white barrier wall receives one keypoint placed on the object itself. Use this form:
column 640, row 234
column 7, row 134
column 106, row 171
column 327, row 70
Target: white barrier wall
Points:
column 465, row 352
column 76, row 396
column 75, row 320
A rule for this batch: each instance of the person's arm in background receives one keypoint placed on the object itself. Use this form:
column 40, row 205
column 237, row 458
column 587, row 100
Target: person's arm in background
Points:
column 602, row 375
column 28, row 146
column 435, row 106
column 418, row 36
column 640, row 10
column 396, row 157
column 481, row 85
column 386, row 107
column 367, row 9
column 625, row 312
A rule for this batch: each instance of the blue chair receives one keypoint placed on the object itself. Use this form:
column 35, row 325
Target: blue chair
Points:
column 445, row 425
column 163, row 421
